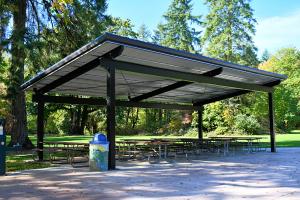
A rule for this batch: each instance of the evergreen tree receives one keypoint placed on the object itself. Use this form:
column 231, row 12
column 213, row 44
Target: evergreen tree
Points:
column 179, row 29
column 122, row 27
column 143, row 33
column 229, row 28
column 265, row 56
column 63, row 25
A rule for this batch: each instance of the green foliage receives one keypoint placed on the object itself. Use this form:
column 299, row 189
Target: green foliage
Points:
column 229, row 28
column 212, row 116
column 5, row 16
column 246, row 124
column 4, row 104
column 122, row 27
column 144, row 33
column 177, row 31
column 265, row 56
column 286, row 97
column 62, row 26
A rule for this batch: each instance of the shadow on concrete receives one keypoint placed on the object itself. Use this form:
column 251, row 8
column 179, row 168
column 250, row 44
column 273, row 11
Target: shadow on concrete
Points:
column 261, row 175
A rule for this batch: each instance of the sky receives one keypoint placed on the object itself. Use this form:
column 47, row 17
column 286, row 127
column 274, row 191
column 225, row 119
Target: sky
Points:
column 278, row 20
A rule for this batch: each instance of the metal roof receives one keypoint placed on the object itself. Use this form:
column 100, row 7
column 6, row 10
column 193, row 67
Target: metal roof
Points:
column 131, row 83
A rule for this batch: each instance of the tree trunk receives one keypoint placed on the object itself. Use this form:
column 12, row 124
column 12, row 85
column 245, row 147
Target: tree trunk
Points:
column 127, row 116
column 160, row 118
column 75, row 114
column 135, row 118
column 19, row 133
column 79, row 117
column 84, row 118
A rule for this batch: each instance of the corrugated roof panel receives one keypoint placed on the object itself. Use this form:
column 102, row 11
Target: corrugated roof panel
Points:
column 93, row 83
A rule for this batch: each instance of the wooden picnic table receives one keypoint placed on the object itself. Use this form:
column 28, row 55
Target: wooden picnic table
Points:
column 152, row 143
column 72, row 149
column 238, row 137
column 249, row 139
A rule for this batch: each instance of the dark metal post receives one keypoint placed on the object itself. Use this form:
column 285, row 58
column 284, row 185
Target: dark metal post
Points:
column 200, row 123
column 271, row 120
column 111, row 121
column 40, row 130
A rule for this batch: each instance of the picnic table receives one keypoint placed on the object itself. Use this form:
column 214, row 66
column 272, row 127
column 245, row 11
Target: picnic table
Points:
column 69, row 150
column 250, row 140
column 165, row 147
column 157, row 146
column 215, row 143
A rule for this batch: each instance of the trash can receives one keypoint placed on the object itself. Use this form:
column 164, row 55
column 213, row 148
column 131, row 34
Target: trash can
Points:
column 99, row 148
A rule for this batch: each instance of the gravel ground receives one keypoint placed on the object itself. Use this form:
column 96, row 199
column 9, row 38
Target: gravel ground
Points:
column 260, row 175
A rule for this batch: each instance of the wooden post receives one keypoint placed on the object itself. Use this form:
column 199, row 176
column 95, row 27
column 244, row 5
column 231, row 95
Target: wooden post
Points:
column 40, row 130
column 111, row 118
column 271, row 121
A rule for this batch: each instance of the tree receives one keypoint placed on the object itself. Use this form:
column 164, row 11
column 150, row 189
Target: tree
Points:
column 76, row 23
column 4, row 22
column 39, row 23
column 285, row 61
column 122, row 27
column 265, row 56
column 16, row 75
column 229, row 28
column 179, row 30
column 143, row 33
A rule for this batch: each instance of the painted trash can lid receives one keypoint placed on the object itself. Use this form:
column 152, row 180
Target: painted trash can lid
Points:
column 99, row 138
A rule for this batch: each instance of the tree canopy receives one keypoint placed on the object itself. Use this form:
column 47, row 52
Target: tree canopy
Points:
column 180, row 29
column 35, row 34
column 229, row 30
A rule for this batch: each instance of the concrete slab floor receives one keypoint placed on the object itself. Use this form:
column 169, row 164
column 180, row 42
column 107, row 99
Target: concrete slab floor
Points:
column 262, row 175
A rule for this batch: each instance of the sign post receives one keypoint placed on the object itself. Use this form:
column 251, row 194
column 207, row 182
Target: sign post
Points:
column 2, row 148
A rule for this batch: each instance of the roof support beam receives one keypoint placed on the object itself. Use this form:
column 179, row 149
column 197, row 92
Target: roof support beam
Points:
column 79, row 71
column 40, row 129
column 197, row 78
column 222, row 97
column 233, row 94
column 173, row 86
column 111, row 116
column 103, row 102
column 271, row 121
column 156, row 92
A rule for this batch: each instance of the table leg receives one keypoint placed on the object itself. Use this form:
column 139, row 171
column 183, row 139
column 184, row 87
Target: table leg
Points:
column 249, row 146
column 165, row 151
column 226, row 147
column 159, row 151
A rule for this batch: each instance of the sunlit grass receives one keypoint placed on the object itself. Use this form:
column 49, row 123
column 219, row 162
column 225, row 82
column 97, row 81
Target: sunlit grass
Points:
column 23, row 162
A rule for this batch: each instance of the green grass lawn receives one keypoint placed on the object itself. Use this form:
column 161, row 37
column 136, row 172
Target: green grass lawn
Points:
column 22, row 161
column 282, row 140
column 17, row 162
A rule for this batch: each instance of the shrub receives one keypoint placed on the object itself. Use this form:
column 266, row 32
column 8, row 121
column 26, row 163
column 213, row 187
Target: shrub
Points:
column 246, row 124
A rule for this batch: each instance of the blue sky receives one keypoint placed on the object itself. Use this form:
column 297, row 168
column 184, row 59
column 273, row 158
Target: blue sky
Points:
column 278, row 20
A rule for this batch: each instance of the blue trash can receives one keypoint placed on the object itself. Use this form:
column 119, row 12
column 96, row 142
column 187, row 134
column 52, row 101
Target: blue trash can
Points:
column 99, row 148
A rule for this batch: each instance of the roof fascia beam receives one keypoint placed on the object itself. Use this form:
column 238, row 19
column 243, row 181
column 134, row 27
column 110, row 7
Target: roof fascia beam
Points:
column 173, row 86
column 79, row 71
column 197, row 78
column 233, row 94
column 103, row 102
column 222, row 97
